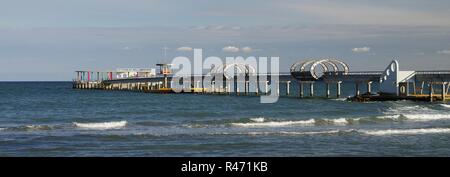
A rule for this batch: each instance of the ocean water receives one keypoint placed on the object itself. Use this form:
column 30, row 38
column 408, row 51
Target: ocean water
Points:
column 52, row 119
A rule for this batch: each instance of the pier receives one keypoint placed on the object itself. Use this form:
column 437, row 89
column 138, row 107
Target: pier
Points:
column 393, row 84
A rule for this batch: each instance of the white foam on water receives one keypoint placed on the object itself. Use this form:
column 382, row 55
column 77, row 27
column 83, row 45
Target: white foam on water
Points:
column 310, row 133
column 278, row 133
column 309, row 122
column 340, row 99
column 102, row 125
column 445, row 105
column 259, row 119
column 426, row 117
column 417, row 113
column 405, row 131
column 36, row 127
column 1, row 129
column 340, row 121
column 393, row 116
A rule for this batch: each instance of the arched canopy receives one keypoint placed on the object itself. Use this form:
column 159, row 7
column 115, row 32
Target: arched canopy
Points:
column 309, row 66
column 227, row 69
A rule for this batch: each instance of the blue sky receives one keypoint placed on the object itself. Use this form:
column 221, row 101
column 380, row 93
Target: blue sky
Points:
column 49, row 39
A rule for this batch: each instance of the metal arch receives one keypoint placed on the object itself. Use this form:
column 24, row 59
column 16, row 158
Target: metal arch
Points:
column 299, row 63
column 326, row 64
column 303, row 66
column 313, row 68
column 343, row 64
column 242, row 68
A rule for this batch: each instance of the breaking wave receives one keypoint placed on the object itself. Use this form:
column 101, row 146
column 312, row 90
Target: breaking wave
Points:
column 426, row 117
column 276, row 123
column 279, row 133
column 101, row 125
column 341, row 121
column 28, row 128
column 259, row 119
column 445, row 105
column 416, row 113
column 405, row 131
column 261, row 122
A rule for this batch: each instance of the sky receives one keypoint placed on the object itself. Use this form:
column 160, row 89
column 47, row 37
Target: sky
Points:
column 47, row 40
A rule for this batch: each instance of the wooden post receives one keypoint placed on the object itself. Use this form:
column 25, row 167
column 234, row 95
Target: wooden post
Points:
column 327, row 90
column 369, row 87
column 301, row 89
column 277, row 85
column 357, row 89
column 448, row 86
column 267, row 88
column 338, row 89
column 237, row 89
column 287, row 87
column 247, row 87
column 257, row 88
column 431, row 91
column 311, row 89
column 443, row 92
column 421, row 90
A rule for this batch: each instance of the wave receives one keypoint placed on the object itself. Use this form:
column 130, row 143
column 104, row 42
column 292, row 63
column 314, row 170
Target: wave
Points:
column 259, row 119
column 392, row 117
column 37, row 127
column 416, row 113
column 261, row 122
column 101, row 125
column 405, row 131
column 28, row 128
column 341, row 121
column 276, row 123
column 278, row 133
column 340, row 99
column 426, row 117
column 387, row 132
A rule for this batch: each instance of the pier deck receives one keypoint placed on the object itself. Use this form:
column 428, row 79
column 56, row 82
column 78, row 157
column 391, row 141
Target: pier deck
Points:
column 393, row 84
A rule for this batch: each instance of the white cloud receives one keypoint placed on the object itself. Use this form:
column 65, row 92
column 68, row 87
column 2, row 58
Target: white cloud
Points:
column 184, row 49
column 420, row 53
column 247, row 49
column 236, row 28
column 232, row 49
column 361, row 49
column 126, row 48
column 443, row 52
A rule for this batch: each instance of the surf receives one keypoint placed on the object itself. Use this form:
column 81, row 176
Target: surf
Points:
column 101, row 125
column 405, row 131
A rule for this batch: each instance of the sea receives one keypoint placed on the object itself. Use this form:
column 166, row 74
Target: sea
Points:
column 52, row 119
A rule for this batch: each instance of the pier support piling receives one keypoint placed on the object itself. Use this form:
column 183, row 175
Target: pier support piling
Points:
column 431, row 92
column 369, row 87
column 266, row 90
column 338, row 89
column 443, row 92
column 357, row 92
column 301, row 89
column 257, row 88
column 288, row 83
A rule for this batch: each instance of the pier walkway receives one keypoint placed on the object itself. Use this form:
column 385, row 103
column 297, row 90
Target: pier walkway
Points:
column 393, row 83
